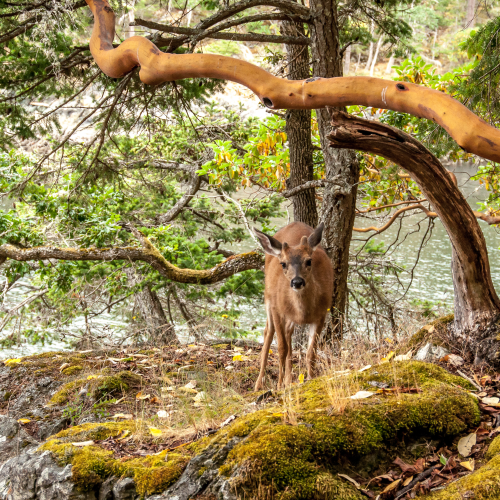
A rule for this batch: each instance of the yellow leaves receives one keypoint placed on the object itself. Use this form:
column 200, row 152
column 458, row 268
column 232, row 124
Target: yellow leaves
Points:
column 469, row 465
column 92, row 377
column 388, row 357
column 240, row 357
column 126, row 433
column 279, row 415
column 155, row 432
column 301, row 378
column 12, row 362
column 24, row 420
column 141, row 397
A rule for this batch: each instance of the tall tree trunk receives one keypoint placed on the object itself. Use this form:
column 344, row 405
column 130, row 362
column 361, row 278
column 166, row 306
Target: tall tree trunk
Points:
column 338, row 212
column 390, row 64
column 347, row 60
column 160, row 331
column 375, row 56
column 370, row 50
column 298, row 130
column 476, row 302
column 470, row 20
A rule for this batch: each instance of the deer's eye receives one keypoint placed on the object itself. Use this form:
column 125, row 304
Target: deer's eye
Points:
column 309, row 262
column 283, row 265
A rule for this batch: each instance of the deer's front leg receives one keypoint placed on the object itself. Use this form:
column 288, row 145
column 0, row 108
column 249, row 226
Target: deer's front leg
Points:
column 314, row 331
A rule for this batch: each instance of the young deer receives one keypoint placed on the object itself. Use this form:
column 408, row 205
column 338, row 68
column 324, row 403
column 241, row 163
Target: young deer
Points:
column 299, row 286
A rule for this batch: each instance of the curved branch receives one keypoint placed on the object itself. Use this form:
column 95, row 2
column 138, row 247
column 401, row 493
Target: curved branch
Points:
column 193, row 187
column 475, row 296
column 148, row 253
column 469, row 131
column 395, row 215
column 374, row 209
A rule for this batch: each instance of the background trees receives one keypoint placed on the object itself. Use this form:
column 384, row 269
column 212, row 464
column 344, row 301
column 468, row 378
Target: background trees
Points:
column 129, row 160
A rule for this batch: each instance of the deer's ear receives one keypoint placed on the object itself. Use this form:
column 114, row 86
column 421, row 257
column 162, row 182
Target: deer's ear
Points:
column 315, row 238
column 269, row 244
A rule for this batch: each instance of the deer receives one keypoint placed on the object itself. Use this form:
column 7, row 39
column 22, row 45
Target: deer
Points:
column 298, row 291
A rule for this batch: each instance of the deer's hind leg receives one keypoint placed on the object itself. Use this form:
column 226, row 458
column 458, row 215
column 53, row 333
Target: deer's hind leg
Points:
column 314, row 332
column 289, row 328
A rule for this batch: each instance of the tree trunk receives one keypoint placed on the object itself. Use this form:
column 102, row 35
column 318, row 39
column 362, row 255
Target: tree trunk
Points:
column 390, row 64
column 370, row 50
column 338, row 212
column 160, row 331
column 298, row 130
column 470, row 20
column 476, row 302
column 375, row 56
column 347, row 60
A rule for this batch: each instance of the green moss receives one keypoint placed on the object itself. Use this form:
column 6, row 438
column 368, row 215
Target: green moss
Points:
column 63, row 395
column 483, row 484
column 91, row 465
column 493, row 449
column 423, row 336
column 71, row 370
column 99, row 387
column 296, row 459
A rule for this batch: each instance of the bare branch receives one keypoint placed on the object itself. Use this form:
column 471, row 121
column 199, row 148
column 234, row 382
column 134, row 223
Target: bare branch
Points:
column 16, row 308
column 215, row 34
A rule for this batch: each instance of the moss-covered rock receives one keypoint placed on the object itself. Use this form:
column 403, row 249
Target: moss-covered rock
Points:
column 290, row 450
column 99, row 386
column 436, row 336
column 71, row 370
column 91, row 465
column 483, row 484
column 493, row 449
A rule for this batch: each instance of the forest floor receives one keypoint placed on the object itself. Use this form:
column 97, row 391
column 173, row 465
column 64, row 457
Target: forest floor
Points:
column 166, row 399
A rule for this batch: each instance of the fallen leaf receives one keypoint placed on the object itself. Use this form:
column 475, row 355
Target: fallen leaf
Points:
column 363, row 395
column 429, row 328
column 277, row 415
column 388, row 340
column 191, row 384
column 404, row 357
column 9, row 362
column 388, row 357
column 490, row 401
column 63, row 366
column 367, row 367
column 486, row 380
column 408, row 480
column 142, row 396
column 228, row 420
column 350, row 479
column 83, row 443
column 188, row 390
column 125, row 416
column 229, row 367
column 155, row 400
column 201, row 396
column 162, row 414
column 469, row 465
column 404, row 466
column 124, row 434
column 238, row 349
column 91, row 377
column 483, row 394
column 453, row 360
column 24, row 420
column 465, row 444
column 155, row 432
column 443, row 460
column 391, row 486
column 270, row 351
column 237, row 357
column 301, row 378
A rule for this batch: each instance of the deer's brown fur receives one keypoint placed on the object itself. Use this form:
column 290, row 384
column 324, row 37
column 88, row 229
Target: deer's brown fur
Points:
column 298, row 291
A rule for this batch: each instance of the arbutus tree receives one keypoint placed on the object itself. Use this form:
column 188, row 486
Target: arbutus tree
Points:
column 476, row 302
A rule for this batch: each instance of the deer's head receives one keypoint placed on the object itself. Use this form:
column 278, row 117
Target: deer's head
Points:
column 296, row 261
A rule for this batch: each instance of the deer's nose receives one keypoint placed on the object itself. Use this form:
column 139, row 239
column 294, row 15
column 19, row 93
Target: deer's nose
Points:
column 297, row 283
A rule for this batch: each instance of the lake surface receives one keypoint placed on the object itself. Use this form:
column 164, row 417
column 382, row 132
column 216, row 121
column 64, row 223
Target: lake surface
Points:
column 432, row 276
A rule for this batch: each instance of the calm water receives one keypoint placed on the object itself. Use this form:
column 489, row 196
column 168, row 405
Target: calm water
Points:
column 432, row 276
